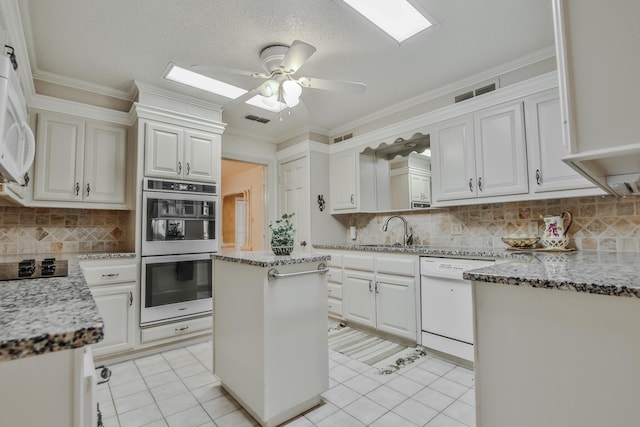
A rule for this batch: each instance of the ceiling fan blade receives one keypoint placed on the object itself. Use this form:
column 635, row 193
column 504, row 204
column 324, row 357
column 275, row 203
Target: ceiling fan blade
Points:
column 204, row 68
column 297, row 55
column 333, row 85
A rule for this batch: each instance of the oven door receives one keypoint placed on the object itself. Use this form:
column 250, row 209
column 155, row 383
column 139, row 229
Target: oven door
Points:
column 175, row 286
column 176, row 223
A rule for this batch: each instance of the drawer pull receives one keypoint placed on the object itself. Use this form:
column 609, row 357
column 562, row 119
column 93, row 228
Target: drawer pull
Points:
column 130, row 298
column 110, row 275
column 182, row 329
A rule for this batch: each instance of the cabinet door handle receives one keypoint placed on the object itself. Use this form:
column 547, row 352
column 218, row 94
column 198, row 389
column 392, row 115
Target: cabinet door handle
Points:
column 184, row 328
column 370, row 285
column 110, row 275
column 130, row 298
column 179, row 168
column 188, row 168
column 471, row 185
column 352, row 199
column 480, row 183
column 88, row 189
column 77, row 188
column 538, row 177
column 377, row 292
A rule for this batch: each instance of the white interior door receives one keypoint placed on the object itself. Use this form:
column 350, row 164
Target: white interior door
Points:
column 294, row 194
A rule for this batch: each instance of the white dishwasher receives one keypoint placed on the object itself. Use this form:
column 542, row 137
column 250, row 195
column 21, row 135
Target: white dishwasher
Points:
column 446, row 305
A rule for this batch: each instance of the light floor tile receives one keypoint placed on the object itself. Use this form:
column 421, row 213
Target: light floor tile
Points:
column 433, row 399
column 141, row 416
column 365, row 410
column 208, row 424
column 362, row 384
column 200, row 380
column 341, row 373
column 437, row 366
column 442, row 420
column 387, row 397
column 192, row 417
column 168, row 390
column 340, row 395
column 320, row 412
column 461, row 376
column 107, row 408
column 238, row 418
column 357, row 366
column 391, row 419
column 448, row 387
column 415, row 412
column 149, row 360
column 404, row 385
column 177, row 404
column 208, row 392
column 340, row 418
column 133, row 401
column 339, row 357
column 220, row 406
column 420, row 376
column 110, row 422
column 160, row 379
column 299, row 421
column 154, row 368
column 469, row 397
column 462, row 412
column 159, row 423
column 128, row 388
column 189, row 370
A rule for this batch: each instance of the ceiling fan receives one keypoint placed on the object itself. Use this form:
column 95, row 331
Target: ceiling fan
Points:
column 281, row 89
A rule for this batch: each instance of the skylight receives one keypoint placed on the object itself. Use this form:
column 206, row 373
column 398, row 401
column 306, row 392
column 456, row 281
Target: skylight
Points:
column 189, row 78
column 397, row 18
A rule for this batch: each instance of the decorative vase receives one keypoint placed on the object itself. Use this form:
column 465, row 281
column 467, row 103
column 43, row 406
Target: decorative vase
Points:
column 282, row 250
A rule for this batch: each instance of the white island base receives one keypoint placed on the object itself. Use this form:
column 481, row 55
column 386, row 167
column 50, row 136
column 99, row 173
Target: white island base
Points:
column 270, row 337
column 547, row 357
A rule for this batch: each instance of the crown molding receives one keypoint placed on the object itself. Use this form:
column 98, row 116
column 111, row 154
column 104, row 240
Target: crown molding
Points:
column 521, row 62
column 145, row 90
column 302, row 148
column 48, row 103
column 86, row 86
column 153, row 112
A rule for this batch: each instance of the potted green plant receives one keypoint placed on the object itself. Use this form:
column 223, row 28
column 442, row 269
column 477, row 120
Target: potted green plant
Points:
column 282, row 233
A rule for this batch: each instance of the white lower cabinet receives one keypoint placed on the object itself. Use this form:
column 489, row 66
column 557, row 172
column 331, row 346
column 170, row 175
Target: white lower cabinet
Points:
column 334, row 284
column 114, row 286
column 379, row 291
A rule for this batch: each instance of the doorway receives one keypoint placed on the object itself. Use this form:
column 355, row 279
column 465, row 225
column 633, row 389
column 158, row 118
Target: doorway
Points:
column 243, row 208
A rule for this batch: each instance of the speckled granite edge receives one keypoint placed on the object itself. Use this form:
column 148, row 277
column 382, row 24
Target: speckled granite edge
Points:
column 267, row 259
column 108, row 255
column 492, row 253
column 40, row 316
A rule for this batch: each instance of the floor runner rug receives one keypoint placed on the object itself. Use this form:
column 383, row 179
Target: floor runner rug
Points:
column 363, row 346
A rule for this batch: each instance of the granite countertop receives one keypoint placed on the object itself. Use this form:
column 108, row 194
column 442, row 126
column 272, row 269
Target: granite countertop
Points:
column 602, row 273
column 51, row 314
column 268, row 259
column 442, row 251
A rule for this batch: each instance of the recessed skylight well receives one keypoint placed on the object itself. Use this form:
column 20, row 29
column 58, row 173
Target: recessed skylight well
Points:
column 189, row 78
column 259, row 101
column 399, row 19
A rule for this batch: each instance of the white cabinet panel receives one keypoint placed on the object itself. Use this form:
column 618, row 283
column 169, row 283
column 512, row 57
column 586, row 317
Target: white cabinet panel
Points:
column 454, row 154
column 115, row 304
column 359, row 302
column 164, row 145
column 344, row 177
column 104, row 164
column 202, row 153
column 396, row 305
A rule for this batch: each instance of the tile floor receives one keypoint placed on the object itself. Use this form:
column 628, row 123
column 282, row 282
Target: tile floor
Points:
column 177, row 389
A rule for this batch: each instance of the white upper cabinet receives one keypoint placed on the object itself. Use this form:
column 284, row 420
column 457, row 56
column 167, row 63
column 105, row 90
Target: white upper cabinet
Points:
column 480, row 155
column 547, row 171
column 177, row 153
column 344, row 181
column 79, row 160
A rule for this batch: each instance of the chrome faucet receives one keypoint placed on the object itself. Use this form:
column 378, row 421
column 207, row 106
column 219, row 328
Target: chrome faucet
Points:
column 408, row 231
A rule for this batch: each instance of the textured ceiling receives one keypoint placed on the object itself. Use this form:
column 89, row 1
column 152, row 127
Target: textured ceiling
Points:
column 112, row 43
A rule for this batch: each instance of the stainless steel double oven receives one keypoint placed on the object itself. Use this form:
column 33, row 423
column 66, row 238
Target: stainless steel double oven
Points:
column 179, row 233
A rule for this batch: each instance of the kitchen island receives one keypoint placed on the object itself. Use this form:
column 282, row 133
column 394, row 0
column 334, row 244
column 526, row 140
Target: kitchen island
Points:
column 556, row 340
column 45, row 326
column 270, row 331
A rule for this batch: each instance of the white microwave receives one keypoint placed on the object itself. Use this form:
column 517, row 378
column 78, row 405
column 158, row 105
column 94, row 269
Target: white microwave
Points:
column 17, row 144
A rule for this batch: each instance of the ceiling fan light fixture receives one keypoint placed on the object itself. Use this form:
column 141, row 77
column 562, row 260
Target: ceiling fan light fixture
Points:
column 202, row 82
column 261, row 102
column 291, row 92
column 399, row 18
column 269, row 88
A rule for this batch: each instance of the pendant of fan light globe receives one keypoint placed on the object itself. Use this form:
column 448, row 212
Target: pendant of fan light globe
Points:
column 291, row 92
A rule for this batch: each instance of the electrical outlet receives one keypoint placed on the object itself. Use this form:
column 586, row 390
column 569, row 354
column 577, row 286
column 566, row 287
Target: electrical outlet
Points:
column 533, row 228
column 456, row 228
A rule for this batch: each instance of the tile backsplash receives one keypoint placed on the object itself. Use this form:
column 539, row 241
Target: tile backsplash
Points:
column 47, row 230
column 599, row 223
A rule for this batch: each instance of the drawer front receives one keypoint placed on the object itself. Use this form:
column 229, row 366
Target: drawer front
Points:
column 175, row 330
column 107, row 274
column 335, row 291
column 397, row 265
column 334, row 275
column 335, row 307
column 359, row 262
column 335, row 261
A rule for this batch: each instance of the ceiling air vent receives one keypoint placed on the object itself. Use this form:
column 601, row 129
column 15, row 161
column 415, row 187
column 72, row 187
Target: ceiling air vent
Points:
column 343, row 137
column 464, row 96
column 476, row 92
column 256, row 118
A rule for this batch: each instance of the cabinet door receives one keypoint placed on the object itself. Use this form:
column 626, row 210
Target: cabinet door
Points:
column 396, row 305
column 343, row 181
column 164, row 145
column 547, row 172
column 116, row 306
column 359, row 298
column 201, row 156
column 501, row 159
column 104, row 164
column 453, row 160
column 59, row 157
